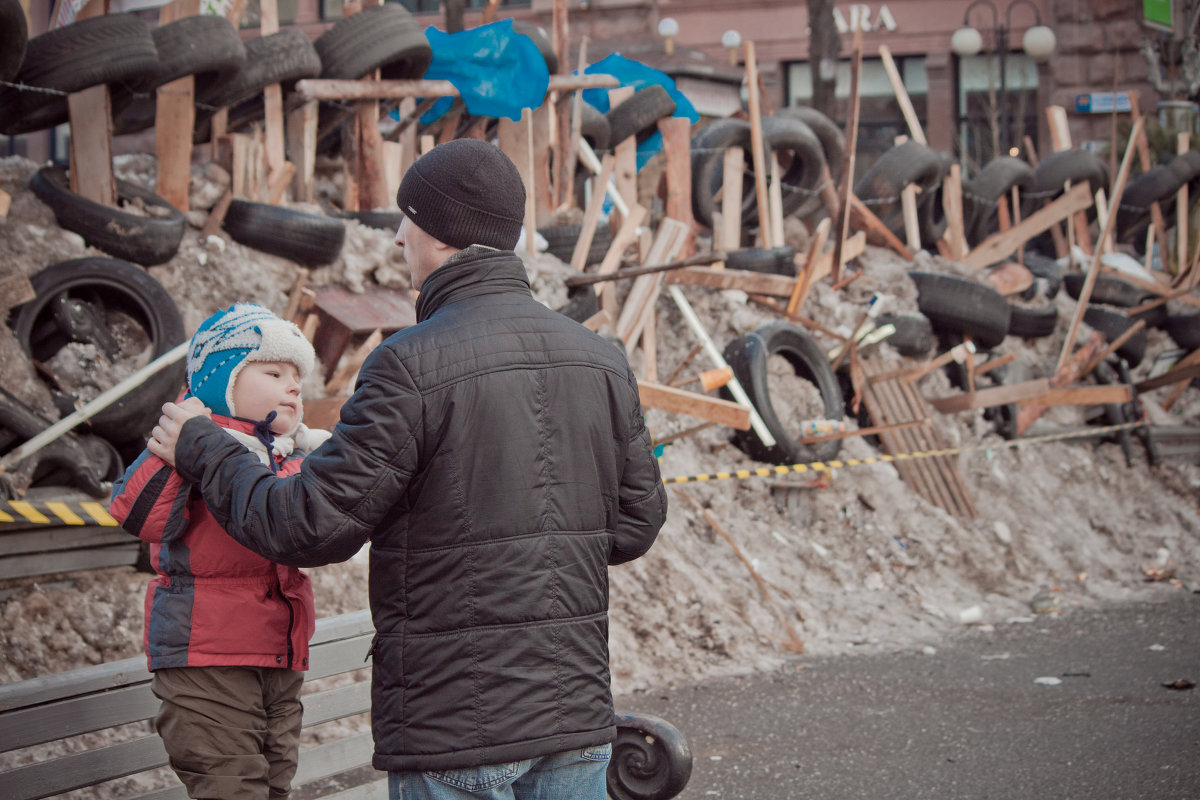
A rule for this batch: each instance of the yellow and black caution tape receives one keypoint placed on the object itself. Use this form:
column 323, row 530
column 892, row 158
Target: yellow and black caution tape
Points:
column 52, row 512
column 824, row 466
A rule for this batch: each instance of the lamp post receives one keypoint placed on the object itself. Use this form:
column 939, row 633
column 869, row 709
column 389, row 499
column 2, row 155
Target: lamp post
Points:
column 668, row 28
column 731, row 40
column 1038, row 43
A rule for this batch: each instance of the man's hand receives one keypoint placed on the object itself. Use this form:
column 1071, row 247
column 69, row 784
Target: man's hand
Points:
column 165, row 435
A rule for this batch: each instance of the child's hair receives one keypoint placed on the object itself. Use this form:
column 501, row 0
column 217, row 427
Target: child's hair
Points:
column 229, row 339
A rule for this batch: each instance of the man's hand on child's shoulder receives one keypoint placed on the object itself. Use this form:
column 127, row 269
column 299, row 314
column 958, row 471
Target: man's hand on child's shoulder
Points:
column 166, row 434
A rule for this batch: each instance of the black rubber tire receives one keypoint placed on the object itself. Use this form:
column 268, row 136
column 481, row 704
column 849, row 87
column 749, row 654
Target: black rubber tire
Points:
column 142, row 239
column 1184, row 330
column 14, row 36
column 380, row 220
column 833, row 141
column 707, row 152
column 801, row 166
column 582, row 303
column 960, row 306
column 1047, row 278
column 639, row 113
column 309, row 239
column 593, row 127
column 931, row 211
column 1156, row 185
column 540, row 38
column 1058, row 168
column 904, row 164
column 91, row 52
column 282, row 58
column 914, row 334
column 1192, row 159
column 981, row 194
column 117, row 286
column 384, row 37
column 773, row 260
column 1112, row 324
column 748, row 356
column 561, row 240
column 1032, row 322
column 205, row 46
column 1108, row 290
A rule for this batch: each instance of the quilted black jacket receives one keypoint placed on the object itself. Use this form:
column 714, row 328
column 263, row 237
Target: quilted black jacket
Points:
column 496, row 458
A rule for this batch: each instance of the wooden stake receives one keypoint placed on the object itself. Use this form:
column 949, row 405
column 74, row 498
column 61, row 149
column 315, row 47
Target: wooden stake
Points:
column 733, row 165
column 805, row 278
column 757, row 154
column 1086, row 292
column 843, row 226
column 906, row 106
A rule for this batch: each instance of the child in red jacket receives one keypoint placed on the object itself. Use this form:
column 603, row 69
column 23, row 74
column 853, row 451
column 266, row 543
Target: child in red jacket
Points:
column 227, row 630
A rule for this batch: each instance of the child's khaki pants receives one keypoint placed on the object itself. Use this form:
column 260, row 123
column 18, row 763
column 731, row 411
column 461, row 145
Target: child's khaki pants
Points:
column 232, row 733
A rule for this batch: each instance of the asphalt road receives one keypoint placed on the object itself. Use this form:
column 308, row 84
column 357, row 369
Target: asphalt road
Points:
column 968, row 721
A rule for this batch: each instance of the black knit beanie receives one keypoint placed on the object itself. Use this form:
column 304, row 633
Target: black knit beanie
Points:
column 465, row 192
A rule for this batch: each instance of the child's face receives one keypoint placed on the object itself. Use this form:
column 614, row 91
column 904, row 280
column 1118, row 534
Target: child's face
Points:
column 265, row 386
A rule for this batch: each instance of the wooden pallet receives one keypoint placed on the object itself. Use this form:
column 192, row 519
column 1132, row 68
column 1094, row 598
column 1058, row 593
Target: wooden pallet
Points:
column 892, row 400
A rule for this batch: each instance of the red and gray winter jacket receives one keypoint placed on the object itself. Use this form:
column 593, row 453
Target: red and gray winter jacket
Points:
column 214, row 602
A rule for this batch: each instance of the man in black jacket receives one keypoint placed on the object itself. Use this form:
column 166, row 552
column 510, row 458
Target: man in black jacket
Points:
column 496, row 458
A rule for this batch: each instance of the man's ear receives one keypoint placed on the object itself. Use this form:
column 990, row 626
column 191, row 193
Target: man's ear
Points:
column 438, row 244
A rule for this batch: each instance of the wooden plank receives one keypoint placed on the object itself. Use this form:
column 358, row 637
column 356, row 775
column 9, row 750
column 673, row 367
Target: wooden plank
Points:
column 676, row 133
column 946, row 467
column 15, row 290
column 843, row 221
column 5, row 203
column 302, row 144
column 1089, row 282
column 90, row 113
column 906, row 106
column 757, row 156
column 1084, row 396
column 1185, row 369
column 804, row 280
column 328, row 89
column 1157, row 222
column 642, row 295
column 999, row 246
column 626, row 236
column 1010, row 278
column 1068, row 374
column 908, row 206
column 174, row 118
column 952, row 205
column 591, row 215
column 681, row 401
column 865, row 220
column 992, row 396
column 733, row 164
column 625, row 152
column 1182, row 210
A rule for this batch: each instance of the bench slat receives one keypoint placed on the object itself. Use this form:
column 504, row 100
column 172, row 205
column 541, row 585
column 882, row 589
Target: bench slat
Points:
column 375, row 790
column 323, row 661
column 46, row 723
column 89, row 767
column 68, row 561
column 331, row 704
column 73, row 537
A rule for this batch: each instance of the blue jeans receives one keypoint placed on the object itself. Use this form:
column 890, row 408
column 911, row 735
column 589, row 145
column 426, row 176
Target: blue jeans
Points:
column 569, row 775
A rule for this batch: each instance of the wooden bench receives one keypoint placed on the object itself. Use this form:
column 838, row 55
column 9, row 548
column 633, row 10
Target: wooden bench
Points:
column 650, row 758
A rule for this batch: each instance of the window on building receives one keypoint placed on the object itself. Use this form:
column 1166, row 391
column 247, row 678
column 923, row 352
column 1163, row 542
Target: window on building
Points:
column 880, row 120
column 995, row 116
column 332, row 9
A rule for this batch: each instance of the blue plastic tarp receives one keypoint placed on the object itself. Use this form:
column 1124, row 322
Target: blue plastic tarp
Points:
column 636, row 74
column 497, row 71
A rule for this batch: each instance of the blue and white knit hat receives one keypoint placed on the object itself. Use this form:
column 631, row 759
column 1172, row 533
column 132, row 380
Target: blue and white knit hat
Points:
column 228, row 339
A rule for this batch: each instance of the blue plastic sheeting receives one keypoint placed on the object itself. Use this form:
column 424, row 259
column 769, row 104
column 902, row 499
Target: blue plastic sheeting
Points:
column 497, row 71
column 636, row 74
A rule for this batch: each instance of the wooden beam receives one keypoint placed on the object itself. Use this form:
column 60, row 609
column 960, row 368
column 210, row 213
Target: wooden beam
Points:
column 693, row 404
column 865, row 220
column 843, row 221
column 591, row 215
column 992, row 396
column 1090, row 281
column 804, row 280
column 906, row 106
column 1084, row 396
column 90, row 113
column 757, row 156
column 327, row 89
column 1185, row 369
column 733, row 164
column 999, row 246
column 761, row 283
column 1068, row 374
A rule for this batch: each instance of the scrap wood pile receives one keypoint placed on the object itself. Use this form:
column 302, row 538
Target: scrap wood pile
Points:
column 763, row 203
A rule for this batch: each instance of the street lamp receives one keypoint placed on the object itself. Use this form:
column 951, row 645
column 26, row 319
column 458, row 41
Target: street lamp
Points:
column 731, row 40
column 1038, row 42
column 668, row 28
